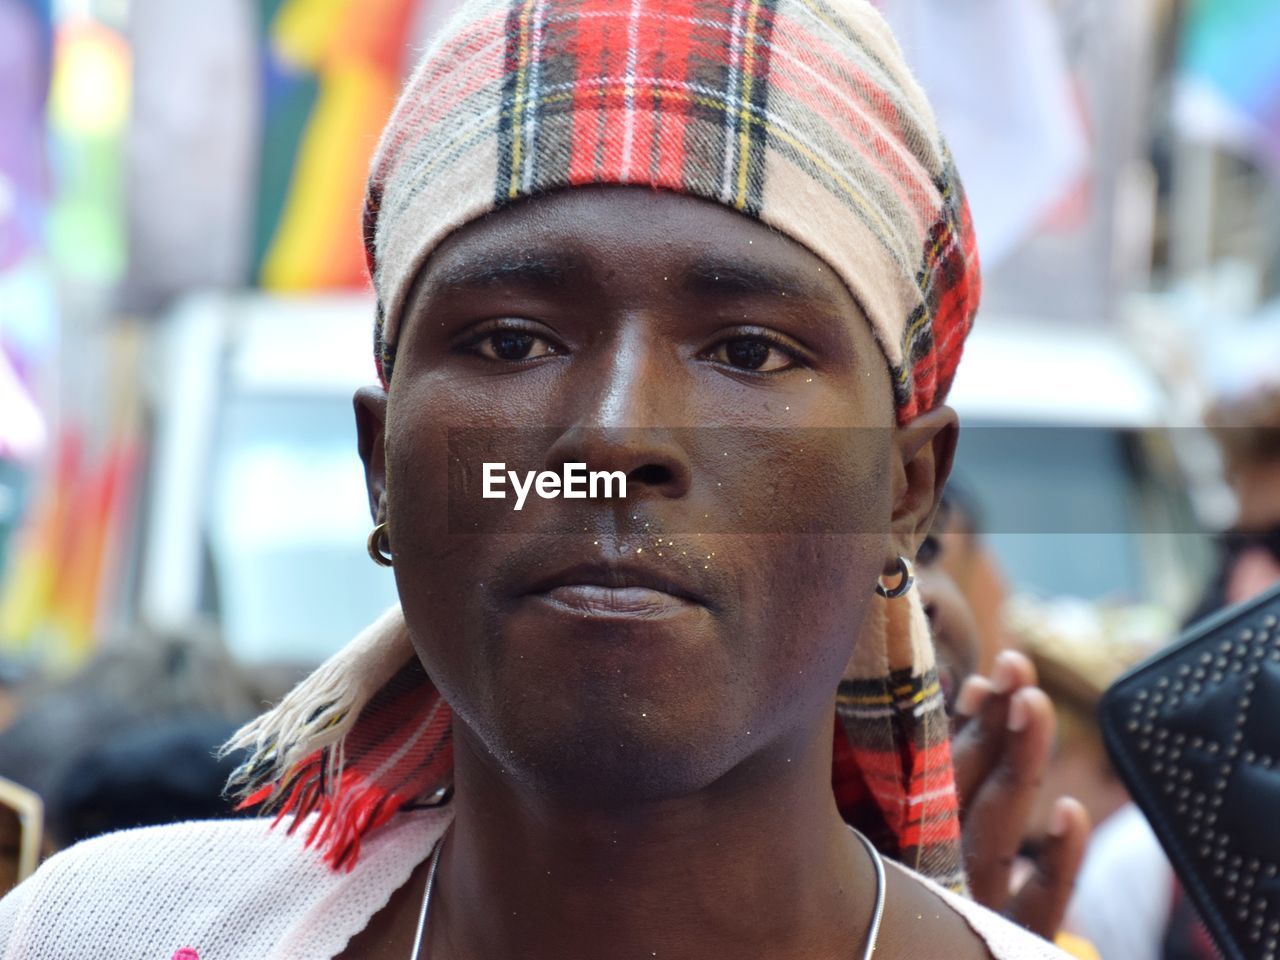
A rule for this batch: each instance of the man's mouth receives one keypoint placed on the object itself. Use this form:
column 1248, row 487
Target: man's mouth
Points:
column 616, row 590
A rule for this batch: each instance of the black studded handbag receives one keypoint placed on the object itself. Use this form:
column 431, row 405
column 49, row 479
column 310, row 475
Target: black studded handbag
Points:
column 1194, row 733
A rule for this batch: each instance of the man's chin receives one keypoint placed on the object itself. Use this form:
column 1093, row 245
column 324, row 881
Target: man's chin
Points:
column 612, row 764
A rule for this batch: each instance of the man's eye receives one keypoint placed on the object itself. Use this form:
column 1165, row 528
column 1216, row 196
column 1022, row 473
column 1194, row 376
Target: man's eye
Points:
column 513, row 345
column 756, row 354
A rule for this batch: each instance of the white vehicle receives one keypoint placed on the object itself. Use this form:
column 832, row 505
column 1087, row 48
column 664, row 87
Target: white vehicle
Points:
column 1068, row 447
column 259, row 515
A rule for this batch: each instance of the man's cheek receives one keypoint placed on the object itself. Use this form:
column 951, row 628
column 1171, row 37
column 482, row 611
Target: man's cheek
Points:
column 793, row 480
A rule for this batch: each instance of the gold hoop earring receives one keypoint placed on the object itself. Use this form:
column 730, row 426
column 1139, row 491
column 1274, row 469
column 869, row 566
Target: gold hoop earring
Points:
column 908, row 578
column 376, row 553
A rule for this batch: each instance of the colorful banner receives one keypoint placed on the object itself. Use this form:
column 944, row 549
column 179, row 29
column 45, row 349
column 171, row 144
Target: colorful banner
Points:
column 88, row 113
column 60, row 585
column 332, row 69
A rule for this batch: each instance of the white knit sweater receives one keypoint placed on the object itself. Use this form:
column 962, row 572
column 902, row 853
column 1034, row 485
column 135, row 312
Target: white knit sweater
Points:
column 232, row 890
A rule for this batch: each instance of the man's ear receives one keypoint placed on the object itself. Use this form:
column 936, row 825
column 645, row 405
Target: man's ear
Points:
column 925, row 449
column 371, row 420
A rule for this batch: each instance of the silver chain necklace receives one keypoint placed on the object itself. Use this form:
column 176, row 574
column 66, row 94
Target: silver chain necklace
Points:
column 872, row 934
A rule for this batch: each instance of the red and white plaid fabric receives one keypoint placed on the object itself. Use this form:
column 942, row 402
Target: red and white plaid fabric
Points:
column 799, row 113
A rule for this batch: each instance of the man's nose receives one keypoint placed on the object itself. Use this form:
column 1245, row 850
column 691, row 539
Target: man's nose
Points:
column 622, row 419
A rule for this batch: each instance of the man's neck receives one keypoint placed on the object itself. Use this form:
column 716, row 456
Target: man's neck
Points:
column 756, row 865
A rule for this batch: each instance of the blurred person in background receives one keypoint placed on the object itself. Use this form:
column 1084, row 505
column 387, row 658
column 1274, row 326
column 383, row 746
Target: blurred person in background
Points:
column 957, row 638
column 1128, row 900
column 130, row 739
column 150, row 774
column 1074, row 681
column 1247, row 430
column 1024, row 835
column 973, row 570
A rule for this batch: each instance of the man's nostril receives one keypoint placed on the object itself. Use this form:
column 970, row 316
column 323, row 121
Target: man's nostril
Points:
column 651, row 474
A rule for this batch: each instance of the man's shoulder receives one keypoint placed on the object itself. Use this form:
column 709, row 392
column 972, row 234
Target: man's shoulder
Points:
column 170, row 836
column 226, row 888
column 997, row 937
column 140, row 890
column 179, row 854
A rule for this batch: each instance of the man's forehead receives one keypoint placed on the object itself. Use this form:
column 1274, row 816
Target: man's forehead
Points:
column 552, row 268
column 580, row 236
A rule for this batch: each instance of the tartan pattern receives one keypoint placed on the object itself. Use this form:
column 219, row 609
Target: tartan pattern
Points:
column 891, row 771
column 586, row 101
column 798, row 113
column 399, row 753
column 936, row 329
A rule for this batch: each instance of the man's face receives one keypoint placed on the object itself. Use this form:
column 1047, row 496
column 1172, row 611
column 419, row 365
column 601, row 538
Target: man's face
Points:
column 640, row 647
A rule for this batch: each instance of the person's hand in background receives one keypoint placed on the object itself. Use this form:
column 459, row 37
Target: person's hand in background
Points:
column 1004, row 730
column 1002, row 745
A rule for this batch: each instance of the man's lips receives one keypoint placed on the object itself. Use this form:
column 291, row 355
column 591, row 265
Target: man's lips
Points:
column 591, row 600
column 618, row 576
column 623, row 590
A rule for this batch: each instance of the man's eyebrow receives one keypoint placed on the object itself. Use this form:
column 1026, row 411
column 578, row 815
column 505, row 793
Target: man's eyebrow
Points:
column 523, row 269
column 751, row 279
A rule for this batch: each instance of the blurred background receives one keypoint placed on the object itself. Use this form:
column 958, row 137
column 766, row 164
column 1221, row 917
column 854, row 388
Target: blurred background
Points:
column 180, row 189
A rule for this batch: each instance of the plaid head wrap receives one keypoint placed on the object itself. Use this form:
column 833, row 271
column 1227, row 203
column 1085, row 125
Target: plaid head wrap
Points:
column 798, row 113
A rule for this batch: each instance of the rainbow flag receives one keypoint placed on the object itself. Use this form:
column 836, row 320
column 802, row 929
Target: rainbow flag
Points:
column 1229, row 74
column 332, row 69
column 61, row 584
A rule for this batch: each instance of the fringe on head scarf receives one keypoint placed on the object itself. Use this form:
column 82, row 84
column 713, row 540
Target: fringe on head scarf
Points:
column 799, row 113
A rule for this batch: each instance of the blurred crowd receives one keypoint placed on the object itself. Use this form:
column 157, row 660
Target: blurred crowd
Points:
column 129, row 740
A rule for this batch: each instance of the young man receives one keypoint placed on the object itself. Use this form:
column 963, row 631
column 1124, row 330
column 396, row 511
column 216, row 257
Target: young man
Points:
column 720, row 250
